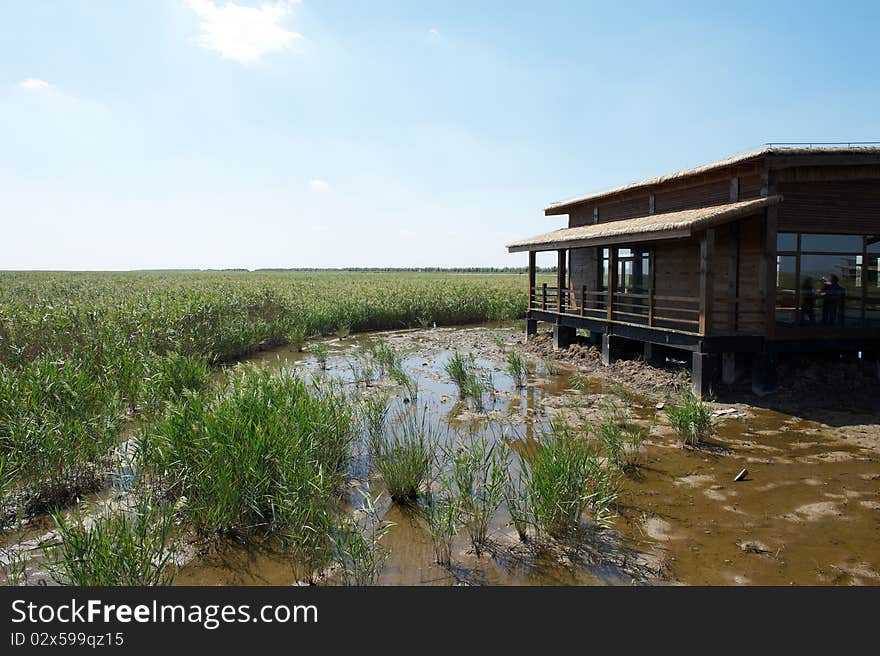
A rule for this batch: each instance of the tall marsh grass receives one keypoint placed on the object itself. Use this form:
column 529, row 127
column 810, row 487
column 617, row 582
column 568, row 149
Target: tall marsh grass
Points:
column 78, row 350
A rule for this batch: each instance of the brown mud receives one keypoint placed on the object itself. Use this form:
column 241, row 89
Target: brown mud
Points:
column 808, row 511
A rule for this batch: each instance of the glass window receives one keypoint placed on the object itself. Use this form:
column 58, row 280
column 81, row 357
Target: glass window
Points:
column 831, row 243
column 786, row 265
column 828, row 280
column 872, row 279
column 786, row 241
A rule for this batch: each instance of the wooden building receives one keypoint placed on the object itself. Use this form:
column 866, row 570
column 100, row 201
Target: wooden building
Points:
column 733, row 263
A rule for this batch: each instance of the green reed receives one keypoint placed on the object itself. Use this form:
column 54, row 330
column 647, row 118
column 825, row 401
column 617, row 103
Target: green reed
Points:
column 127, row 547
column 691, row 419
column 404, row 455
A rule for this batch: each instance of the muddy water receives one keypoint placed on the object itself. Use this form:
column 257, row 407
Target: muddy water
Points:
column 807, row 513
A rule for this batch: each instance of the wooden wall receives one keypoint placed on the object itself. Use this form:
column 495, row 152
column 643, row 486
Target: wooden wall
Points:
column 583, row 268
column 742, row 243
column 849, row 207
column 672, row 196
column 677, row 268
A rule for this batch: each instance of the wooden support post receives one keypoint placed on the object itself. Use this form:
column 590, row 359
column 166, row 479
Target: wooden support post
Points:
column 560, row 279
column 531, row 277
column 703, row 373
column 611, row 347
column 654, row 354
column 531, row 327
column 767, row 263
column 728, row 368
column 563, row 336
column 583, row 300
column 733, row 277
column 764, row 373
column 612, row 280
column 544, row 296
column 707, row 280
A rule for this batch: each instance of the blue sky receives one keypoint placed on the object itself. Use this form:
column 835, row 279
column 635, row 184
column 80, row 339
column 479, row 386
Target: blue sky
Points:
column 199, row 134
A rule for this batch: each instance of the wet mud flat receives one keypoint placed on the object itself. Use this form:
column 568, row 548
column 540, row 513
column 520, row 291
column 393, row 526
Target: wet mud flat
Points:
column 808, row 512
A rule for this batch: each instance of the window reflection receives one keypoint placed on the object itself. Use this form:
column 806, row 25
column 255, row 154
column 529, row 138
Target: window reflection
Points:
column 786, row 241
column 831, row 243
column 829, row 281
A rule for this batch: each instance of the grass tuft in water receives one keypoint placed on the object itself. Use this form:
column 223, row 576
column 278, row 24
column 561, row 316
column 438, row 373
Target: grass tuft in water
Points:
column 564, row 476
column 321, row 351
column 516, row 496
column 517, row 369
column 357, row 548
column 479, row 474
column 691, row 419
column 621, row 439
column 404, row 455
column 442, row 514
column 458, row 370
column 128, row 547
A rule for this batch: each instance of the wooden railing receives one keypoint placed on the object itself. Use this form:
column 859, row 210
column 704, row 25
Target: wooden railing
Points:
column 679, row 313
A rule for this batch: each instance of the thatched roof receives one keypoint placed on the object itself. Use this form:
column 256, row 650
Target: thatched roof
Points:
column 563, row 207
column 671, row 225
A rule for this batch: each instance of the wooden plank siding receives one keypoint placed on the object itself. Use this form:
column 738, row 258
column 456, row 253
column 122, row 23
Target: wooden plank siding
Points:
column 842, row 207
column 625, row 209
column 712, row 193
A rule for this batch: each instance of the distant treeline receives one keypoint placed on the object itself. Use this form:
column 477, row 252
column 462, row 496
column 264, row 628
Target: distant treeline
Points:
column 412, row 270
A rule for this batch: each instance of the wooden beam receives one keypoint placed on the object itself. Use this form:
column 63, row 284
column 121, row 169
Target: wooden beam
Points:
column 651, row 204
column 595, row 215
column 767, row 264
column 612, row 281
column 734, row 189
column 707, row 280
column 532, row 255
column 560, row 278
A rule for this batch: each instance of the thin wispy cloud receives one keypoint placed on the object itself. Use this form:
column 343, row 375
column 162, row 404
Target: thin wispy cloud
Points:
column 319, row 185
column 241, row 33
column 34, row 84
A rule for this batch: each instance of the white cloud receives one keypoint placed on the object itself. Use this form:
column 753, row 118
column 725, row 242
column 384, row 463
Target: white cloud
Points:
column 34, row 83
column 434, row 36
column 244, row 34
column 319, row 185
